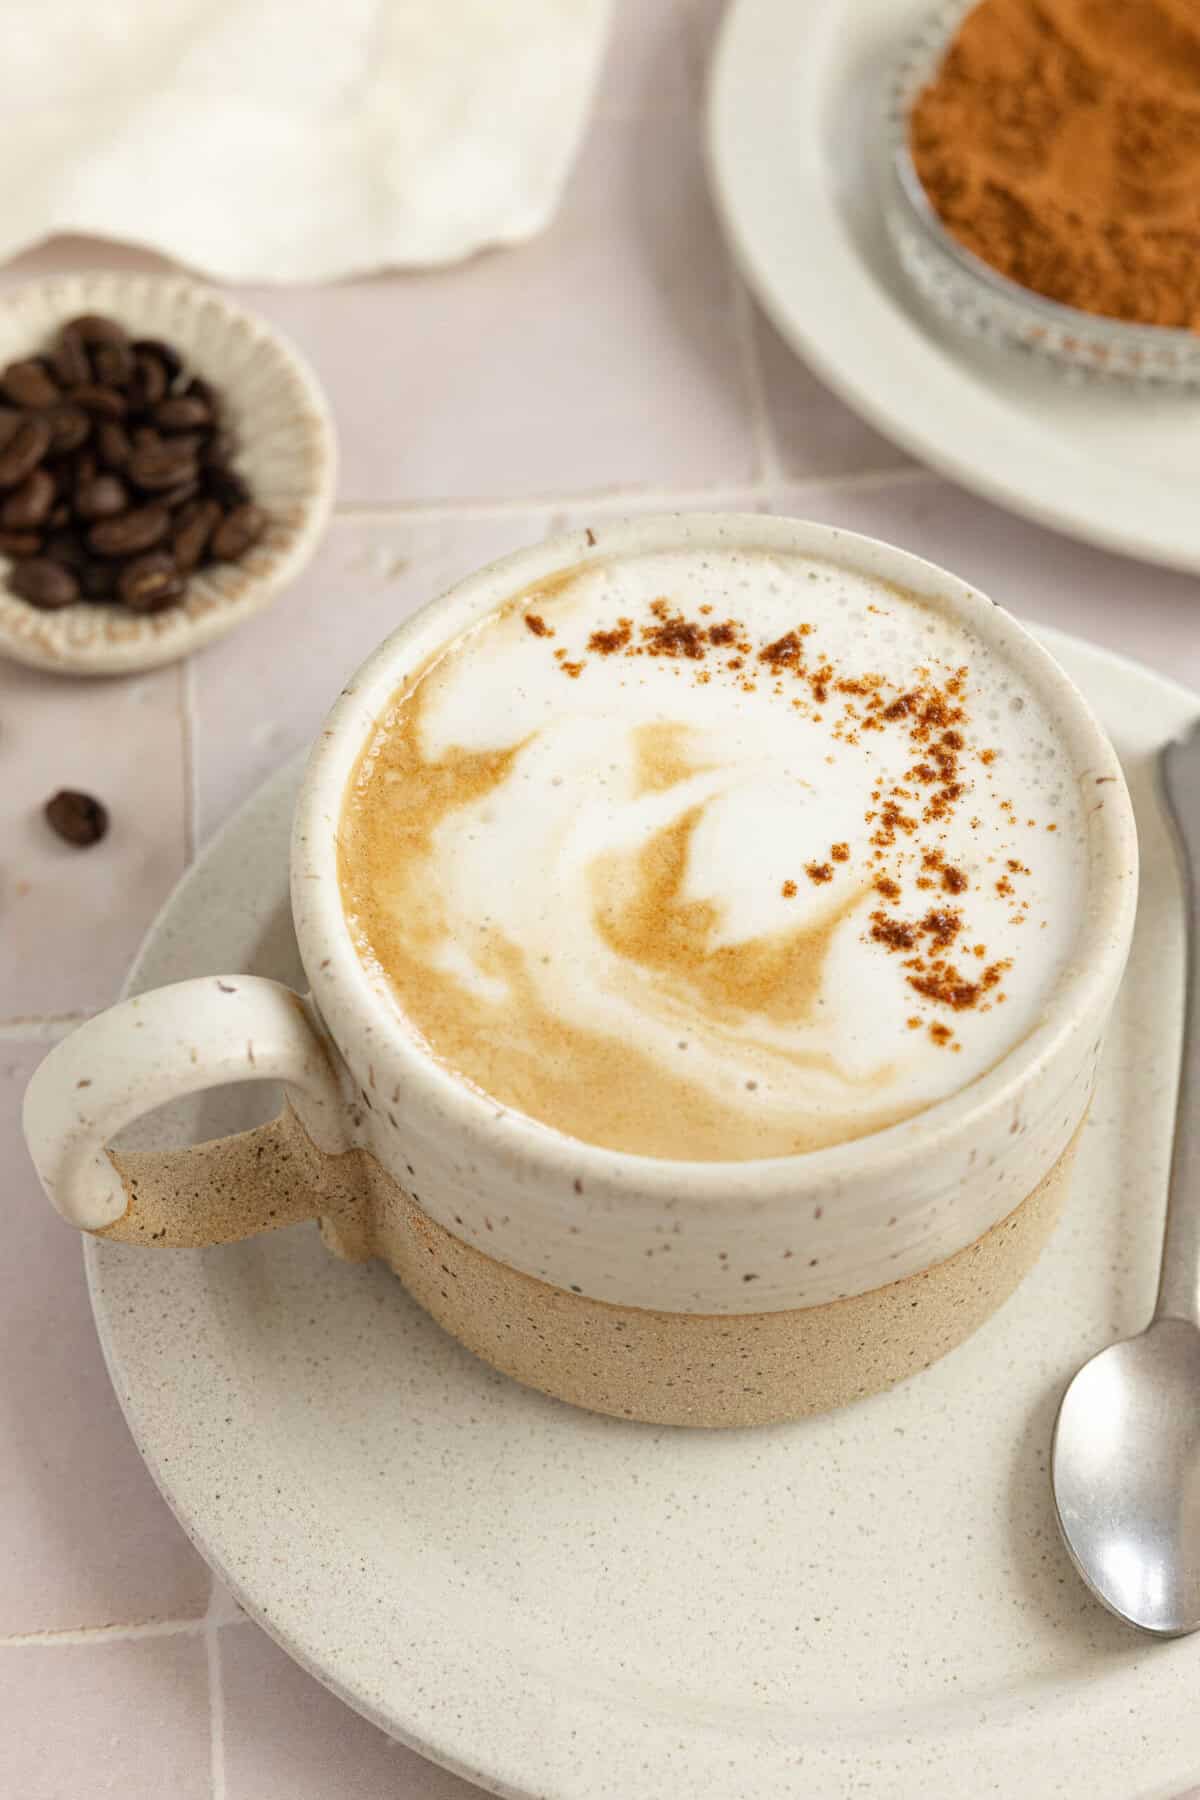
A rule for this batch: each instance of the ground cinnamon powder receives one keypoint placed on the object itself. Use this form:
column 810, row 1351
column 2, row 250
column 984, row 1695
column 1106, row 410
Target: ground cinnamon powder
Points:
column 1060, row 141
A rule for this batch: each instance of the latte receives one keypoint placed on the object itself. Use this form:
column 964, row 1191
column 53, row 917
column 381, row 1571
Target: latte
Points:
column 715, row 855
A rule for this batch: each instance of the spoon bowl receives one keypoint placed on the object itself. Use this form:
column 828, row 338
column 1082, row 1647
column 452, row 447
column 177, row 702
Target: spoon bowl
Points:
column 1126, row 1473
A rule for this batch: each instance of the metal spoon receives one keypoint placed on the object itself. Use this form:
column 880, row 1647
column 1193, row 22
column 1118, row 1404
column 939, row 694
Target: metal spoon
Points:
column 1126, row 1459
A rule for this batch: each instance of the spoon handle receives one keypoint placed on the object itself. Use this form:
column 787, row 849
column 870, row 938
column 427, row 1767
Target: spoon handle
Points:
column 1179, row 1275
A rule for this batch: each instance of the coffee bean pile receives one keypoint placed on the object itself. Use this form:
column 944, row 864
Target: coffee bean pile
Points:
column 115, row 473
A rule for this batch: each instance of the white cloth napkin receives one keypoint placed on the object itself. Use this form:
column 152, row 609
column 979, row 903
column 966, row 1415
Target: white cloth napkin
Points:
column 292, row 140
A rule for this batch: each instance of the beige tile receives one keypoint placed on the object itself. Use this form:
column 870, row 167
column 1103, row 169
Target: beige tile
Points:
column 600, row 355
column 72, row 919
column 288, row 1738
column 603, row 354
column 262, row 694
column 85, row 1538
column 651, row 57
column 1044, row 578
column 128, row 1719
column 815, row 433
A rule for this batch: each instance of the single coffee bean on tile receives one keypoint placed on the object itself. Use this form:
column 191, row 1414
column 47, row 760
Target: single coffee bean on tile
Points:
column 237, row 532
column 103, row 497
column 130, row 532
column 20, row 543
column 24, row 450
column 44, row 583
column 78, row 818
column 28, row 383
column 150, row 583
column 27, row 506
column 113, row 444
column 193, row 528
column 69, row 359
column 70, row 427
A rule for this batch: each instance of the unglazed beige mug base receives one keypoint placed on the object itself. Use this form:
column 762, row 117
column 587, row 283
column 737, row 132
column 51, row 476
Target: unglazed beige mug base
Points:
column 661, row 1368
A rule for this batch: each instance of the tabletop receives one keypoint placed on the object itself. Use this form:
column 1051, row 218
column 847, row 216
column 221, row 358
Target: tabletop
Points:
column 615, row 364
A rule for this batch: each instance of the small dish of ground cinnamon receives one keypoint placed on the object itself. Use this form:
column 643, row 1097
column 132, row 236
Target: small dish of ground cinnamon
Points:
column 1054, row 145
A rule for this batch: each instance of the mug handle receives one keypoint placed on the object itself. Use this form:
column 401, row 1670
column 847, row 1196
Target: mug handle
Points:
column 160, row 1046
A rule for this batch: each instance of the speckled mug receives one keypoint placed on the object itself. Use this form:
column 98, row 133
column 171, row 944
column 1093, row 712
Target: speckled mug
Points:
column 792, row 1285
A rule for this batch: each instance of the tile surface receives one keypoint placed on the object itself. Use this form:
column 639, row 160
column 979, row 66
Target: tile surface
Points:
column 85, row 1537
column 84, row 1720
column 614, row 363
column 73, row 918
column 288, row 1738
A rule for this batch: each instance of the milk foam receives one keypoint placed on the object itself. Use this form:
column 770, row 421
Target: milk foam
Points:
column 650, row 898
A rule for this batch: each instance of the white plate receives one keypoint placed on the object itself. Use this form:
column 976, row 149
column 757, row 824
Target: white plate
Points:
column 795, row 137
column 571, row 1607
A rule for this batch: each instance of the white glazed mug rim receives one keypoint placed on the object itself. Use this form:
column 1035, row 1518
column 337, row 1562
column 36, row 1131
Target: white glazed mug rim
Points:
column 351, row 1001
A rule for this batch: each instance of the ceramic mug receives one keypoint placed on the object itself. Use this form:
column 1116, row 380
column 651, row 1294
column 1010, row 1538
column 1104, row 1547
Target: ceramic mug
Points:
column 536, row 1250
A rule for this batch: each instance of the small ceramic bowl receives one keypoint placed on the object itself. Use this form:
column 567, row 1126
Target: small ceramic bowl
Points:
column 286, row 450
column 967, row 293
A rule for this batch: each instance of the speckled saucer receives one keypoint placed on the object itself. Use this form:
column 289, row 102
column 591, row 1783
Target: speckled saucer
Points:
column 286, row 451
column 560, row 1605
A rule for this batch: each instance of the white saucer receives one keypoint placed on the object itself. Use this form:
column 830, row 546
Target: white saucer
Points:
column 795, row 133
column 569, row 1607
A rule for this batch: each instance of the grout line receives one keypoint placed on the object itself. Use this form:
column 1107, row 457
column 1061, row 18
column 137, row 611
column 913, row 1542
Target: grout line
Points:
column 766, row 457
column 619, row 499
column 40, row 1030
column 216, row 1691
column 865, row 481
column 105, row 1634
column 187, row 731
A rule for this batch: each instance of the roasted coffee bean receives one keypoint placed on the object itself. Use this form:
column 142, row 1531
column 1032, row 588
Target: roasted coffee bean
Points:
column 27, row 506
column 116, row 476
column 162, row 465
column 70, row 361
column 20, row 543
column 106, row 402
column 28, row 383
column 175, row 497
column 101, row 498
column 78, row 819
column 24, row 450
column 225, row 485
column 166, row 354
column 237, row 532
column 98, row 579
column 113, row 444
column 183, row 412
column 113, row 364
column 193, row 528
column 150, row 381
column 64, row 547
column 130, row 532
column 69, row 428
column 94, row 328
column 149, row 583
column 44, row 583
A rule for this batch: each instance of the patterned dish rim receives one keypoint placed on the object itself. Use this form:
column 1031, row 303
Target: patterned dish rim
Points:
column 286, row 446
column 970, row 294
